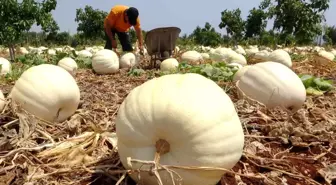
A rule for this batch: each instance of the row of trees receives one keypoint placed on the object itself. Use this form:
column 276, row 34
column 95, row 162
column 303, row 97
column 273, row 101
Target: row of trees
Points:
column 295, row 22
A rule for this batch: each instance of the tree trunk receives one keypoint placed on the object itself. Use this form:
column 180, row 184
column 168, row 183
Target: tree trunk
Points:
column 12, row 53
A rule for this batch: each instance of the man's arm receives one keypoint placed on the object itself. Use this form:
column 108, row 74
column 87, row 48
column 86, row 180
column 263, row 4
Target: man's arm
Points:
column 109, row 25
column 139, row 36
column 108, row 29
column 139, row 33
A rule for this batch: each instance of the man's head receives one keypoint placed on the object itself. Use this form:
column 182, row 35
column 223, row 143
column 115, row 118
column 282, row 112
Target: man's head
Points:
column 132, row 15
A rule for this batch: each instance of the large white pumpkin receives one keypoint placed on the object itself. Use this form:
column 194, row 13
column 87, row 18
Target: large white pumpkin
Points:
column 281, row 57
column 5, row 66
column 47, row 91
column 127, row 60
column 68, row 64
column 191, row 56
column 273, row 84
column 105, row 62
column 2, row 101
column 169, row 64
column 240, row 73
column 201, row 130
column 85, row 54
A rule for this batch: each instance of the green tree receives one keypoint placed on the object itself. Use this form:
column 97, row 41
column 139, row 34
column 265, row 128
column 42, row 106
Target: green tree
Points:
column 298, row 18
column 18, row 17
column 256, row 21
column 233, row 23
column 206, row 36
column 330, row 35
column 90, row 22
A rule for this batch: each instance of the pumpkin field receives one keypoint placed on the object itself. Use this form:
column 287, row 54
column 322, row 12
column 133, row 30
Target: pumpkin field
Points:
column 67, row 135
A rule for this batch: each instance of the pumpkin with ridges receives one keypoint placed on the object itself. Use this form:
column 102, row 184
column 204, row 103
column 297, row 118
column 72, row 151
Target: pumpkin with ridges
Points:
column 193, row 114
column 48, row 92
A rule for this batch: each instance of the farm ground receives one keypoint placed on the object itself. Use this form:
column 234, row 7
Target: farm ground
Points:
column 297, row 150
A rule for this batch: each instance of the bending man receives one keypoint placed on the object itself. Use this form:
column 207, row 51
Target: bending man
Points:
column 118, row 21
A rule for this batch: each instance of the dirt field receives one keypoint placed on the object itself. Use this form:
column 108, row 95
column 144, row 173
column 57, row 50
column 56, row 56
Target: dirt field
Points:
column 296, row 150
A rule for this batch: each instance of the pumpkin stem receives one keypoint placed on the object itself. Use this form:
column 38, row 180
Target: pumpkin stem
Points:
column 162, row 147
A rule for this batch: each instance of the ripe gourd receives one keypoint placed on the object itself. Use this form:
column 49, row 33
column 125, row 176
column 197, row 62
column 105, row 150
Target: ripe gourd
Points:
column 261, row 55
column 273, row 84
column 191, row 56
column 68, row 64
column 234, row 57
column 128, row 60
column 327, row 55
column 105, row 62
column 48, row 92
column 2, row 101
column 240, row 73
column 5, row 66
column 205, row 55
column 169, row 64
column 84, row 54
column 280, row 56
column 172, row 109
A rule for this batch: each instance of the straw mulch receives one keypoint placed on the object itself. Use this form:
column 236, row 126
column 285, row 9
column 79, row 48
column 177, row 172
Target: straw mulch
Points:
column 279, row 149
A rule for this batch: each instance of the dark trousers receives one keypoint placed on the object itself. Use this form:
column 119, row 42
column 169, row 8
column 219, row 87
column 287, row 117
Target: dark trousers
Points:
column 123, row 38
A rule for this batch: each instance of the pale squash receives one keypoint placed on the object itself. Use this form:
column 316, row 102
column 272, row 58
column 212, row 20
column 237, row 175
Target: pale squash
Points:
column 273, row 84
column 191, row 56
column 190, row 113
column 240, row 73
column 169, row 64
column 105, row 62
column 2, row 101
column 5, row 66
column 84, row 54
column 48, row 92
column 128, row 60
column 281, row 57
column 68, row 64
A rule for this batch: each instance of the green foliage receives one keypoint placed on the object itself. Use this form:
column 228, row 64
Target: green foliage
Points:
column 315, row 85
column 233, row 23
column 206, row 36
column 217, row 71
column 18, row 17
column 255, row 23
column 299, row 18
column 330, row 35
column 90, row 22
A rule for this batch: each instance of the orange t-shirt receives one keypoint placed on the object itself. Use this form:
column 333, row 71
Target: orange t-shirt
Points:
column 116, row 19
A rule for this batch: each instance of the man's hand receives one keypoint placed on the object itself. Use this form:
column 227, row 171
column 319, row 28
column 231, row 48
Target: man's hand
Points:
column 141, row 50
column 114, row 43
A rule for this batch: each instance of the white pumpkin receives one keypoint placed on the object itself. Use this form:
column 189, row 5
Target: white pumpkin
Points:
column 280, row 56
column 51, row 52
column 5, row 66
column 47, row 91
column 84, row 53
column 261, row 55
column 191, row 56
column 23, row 50
column 68, row 64
column 105, row 62
column 240, row 73
column 200, row 131
column 273, row 84
column 169, row 64
column 128, row 60
column 327, row 55
column 205, row 55
column 2, row 101
column 234, row 57
column 176, row 50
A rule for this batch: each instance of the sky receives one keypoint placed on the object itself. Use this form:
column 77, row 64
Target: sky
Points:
column 185, row 14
